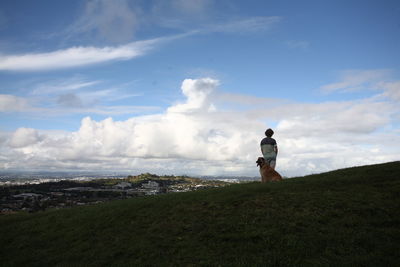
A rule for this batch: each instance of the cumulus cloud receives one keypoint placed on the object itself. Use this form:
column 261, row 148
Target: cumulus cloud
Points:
column 200, row 136
column 189, row 131
column 198, row 94
column 23, row 137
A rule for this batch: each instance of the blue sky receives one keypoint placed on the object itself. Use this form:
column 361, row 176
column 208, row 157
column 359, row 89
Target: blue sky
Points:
column 190, row 86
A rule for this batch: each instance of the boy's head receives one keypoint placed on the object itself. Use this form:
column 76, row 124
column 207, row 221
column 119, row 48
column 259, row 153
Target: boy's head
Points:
column 269, row 132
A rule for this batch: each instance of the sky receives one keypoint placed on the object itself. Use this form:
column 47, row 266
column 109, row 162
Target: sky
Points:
column 190, row 86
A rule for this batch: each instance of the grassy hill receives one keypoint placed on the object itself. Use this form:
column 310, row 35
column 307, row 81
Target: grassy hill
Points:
column 348, row 217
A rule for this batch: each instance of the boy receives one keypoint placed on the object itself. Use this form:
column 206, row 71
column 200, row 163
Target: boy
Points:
column 269, row 148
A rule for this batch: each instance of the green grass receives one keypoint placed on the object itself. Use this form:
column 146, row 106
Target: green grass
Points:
column 347, row 217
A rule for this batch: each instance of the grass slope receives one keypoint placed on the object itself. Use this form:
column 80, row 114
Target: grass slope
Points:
column 347, row 217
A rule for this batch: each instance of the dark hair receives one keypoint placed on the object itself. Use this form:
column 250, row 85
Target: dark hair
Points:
column 269, row 132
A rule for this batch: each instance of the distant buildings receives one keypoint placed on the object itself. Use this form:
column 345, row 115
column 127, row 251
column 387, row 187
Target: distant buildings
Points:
column 27, row 196
column 151, row 188
column 123, row 185
column 35, row 197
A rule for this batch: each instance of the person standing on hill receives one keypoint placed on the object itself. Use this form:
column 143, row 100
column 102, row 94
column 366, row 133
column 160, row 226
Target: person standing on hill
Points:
column 269, row 148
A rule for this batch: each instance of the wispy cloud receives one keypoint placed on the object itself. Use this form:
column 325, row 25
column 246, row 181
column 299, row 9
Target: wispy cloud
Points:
column 68, row 104
column 180, row 14
column 111, row 21
column 68, row 85
column 249, row 25
column 77, row 56
column 355, row 80
column 366, row 80
column 88, row 55
column 116, row 110
column 85, row 92
column 75, row 95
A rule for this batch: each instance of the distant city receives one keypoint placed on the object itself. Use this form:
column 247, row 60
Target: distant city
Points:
column 25, row 177
column 34, row 192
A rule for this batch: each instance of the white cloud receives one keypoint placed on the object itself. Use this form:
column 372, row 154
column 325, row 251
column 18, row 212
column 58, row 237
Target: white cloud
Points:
column 23, row 137
column 334, row 118
column 106, row 110
column 199, row 137
column 76, row 56
column 391, row 89
column 78, row 93
column 366, row 80
column 62, row 86
column 187, row 131
column 112, row 94
column 355, row 80
column 9, row 103
column 198, row 93
column 113, row 23
column 69, row 104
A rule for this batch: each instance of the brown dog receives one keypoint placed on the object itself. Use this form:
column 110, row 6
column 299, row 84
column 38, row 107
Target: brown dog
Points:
column 267, row 173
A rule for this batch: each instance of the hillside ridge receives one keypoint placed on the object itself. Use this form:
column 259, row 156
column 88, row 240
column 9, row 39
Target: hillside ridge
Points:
column 343, row 217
